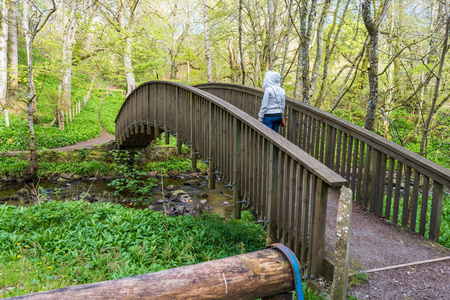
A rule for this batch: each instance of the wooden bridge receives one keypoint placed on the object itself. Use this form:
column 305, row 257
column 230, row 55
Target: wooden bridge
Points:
column 285, row 178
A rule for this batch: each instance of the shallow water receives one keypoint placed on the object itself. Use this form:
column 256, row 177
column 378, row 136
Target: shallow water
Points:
column 219, row 200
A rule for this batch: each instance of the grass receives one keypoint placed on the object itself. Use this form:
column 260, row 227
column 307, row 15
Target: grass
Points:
column 58, row 244
column 111, row 107
column 85, row 126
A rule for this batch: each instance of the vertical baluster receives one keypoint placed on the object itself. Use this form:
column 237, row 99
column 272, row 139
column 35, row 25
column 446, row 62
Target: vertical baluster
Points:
column 360, row 172
column 292, row 191
column 344, row 155
column 398, row 185
column 337, row 165
column 406, row 208
column 237, row 136
column 305, row 220
column 212, row 146
column 323, row 135
column 414, row 201
column 424, row 206
column 280, row 194
column 387, row 213
column 367, row 171
column 354, row 166
column 299, row 210
column 374, row 181
column 436, row 211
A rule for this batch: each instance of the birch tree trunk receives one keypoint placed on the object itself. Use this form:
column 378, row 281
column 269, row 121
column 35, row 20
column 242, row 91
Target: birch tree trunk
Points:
column 4, row 60
column 127, row 64
column 207, row 41
column 241, row 48
column 271, row 32
column 68, row 42
column 13, row 62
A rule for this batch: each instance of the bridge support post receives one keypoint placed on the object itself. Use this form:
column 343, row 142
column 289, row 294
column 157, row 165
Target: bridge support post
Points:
column 237, row 169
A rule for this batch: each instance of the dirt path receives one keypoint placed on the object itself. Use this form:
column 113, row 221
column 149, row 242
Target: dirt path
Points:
column 376, row 243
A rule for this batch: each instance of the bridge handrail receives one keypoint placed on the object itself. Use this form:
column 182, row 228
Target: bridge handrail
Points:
column 364, row 158
column 406, row 156
column 309, row 162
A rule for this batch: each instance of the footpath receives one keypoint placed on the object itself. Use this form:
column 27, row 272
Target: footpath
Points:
column 376, row 243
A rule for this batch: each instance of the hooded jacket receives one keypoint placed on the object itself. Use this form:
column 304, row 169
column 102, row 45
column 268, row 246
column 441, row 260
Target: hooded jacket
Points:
column 274, row 96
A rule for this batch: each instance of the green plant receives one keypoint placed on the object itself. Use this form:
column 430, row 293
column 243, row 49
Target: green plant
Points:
column 357, row 278
column 131, row 182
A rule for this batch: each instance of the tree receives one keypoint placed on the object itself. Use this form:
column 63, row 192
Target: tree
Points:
column 33, row 22
column 207, row 41
column 121, row 15
column 4, row 60
column 372, row 29
column 13, row 60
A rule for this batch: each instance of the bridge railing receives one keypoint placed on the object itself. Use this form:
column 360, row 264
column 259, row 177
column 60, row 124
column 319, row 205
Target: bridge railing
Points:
column 391, row 181
column 286, row 187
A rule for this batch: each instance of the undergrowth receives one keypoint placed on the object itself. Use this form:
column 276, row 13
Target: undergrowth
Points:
column 57, row 244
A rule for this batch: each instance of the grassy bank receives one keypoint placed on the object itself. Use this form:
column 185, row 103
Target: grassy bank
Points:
column 58, row 244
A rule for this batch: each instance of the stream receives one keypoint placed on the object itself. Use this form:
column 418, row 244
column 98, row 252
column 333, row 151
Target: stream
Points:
column 218, row 201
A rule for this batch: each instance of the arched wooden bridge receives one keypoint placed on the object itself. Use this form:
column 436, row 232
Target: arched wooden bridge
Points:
column 285, row 178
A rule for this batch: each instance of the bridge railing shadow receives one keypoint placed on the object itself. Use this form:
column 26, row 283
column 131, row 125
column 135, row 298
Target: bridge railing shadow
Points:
column 286, row 187
column 390, row 180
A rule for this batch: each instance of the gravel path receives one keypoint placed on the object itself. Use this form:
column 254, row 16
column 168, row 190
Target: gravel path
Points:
column 376, row 243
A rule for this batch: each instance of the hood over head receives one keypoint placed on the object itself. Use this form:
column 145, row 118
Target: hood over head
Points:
column 271, row 78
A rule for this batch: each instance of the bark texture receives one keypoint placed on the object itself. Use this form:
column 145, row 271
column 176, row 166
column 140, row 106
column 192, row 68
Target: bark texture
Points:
column 4, row 60
column 207, row 42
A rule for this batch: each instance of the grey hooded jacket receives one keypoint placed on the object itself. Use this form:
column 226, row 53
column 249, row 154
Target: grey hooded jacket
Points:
column 274, row 96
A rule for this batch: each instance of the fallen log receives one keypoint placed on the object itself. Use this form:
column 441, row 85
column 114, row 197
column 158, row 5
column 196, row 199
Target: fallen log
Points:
column 246, row 276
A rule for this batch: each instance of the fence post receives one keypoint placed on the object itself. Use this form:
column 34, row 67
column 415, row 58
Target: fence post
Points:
column 342, row 248
column 166, row 129
column 436, row 211
column 237, row 176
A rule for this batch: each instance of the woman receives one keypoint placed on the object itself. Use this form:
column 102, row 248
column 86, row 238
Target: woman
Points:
column 272, row 106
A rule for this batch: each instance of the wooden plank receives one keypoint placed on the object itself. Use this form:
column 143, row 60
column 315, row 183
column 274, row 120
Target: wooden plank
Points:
column 272, row 194
column 299, row 211
column 414, row 201
column 323, row 135
column 436, row 211
column 287, row 164
column 281, row 160
column 320, row 212
column 406, row 191
column 367, row 172
column 344, row 155
column 387, row 213
column 237, row 169
column 374, row 182
column 291, row 208
column 349, row 160
column 354, row 167
column 424, row 206
column 398, row 184
column 338, row 152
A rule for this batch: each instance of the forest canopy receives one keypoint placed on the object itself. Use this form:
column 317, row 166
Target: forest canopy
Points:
column 379, row 64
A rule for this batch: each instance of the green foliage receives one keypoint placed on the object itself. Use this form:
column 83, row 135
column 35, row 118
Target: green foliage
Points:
column 111, row 107
column 131, row 183
column 58, row 244
column 13, row 166
column 85, row 126
column 46, row 168
column 176, row 164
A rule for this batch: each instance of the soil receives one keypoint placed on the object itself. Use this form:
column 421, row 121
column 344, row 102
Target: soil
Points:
column 377, row 243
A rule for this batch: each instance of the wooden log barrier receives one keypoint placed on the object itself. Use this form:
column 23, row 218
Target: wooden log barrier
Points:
column 247, row 276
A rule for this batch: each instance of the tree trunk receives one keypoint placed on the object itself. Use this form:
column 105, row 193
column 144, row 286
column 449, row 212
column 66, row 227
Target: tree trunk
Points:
column 241, row 48
column 426, row 128
column 319, row 51
column 69, row 39
column 271, row 32
column 373, row 68
column 286, row 47
column 305, row 52
column 4, row 60
column 207, row 42
column 129, row 75
column 13, row 62
column 298, row 80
